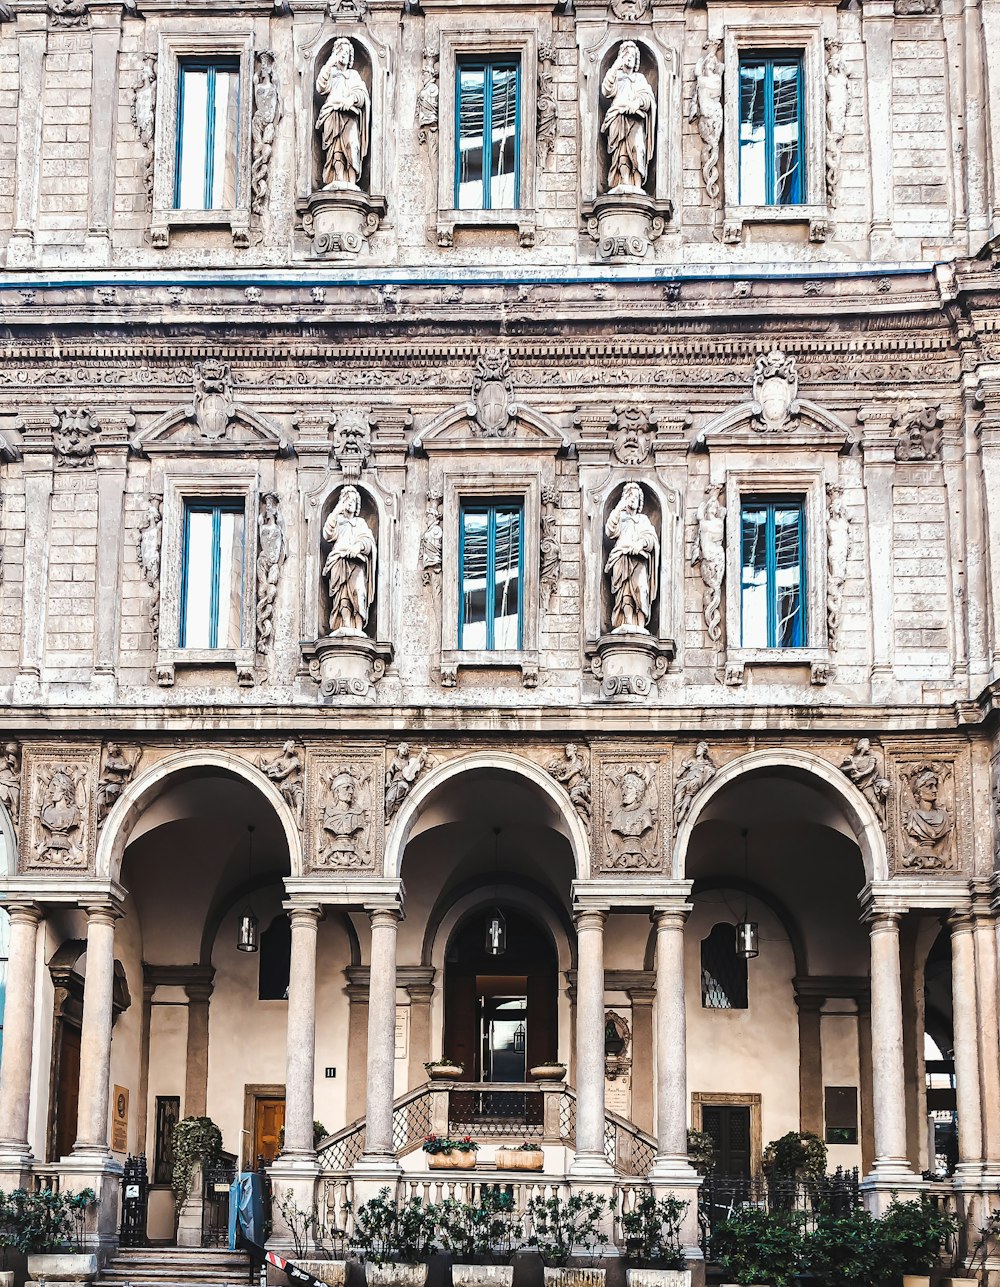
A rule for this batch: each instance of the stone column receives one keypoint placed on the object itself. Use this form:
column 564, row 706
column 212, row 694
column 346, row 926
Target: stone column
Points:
column 643, row 1000
column 18, row 1031
column 199, row 993
column 810, row 1007
column 95, row 1038
column 966, row 1038
column 356, row 1055
column 989, row 1053
column 888, row 1075
column 379, row 1152
column 301, row 1042
column 590, row 1159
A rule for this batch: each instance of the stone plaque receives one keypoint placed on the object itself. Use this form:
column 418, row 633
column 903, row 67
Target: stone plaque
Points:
column 119, row 1120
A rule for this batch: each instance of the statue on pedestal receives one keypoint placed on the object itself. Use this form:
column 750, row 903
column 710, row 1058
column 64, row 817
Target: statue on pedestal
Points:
column 630, row 121
column 344, row 119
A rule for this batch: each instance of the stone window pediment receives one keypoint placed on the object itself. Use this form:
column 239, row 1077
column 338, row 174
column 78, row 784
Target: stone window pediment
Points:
column 213, row 423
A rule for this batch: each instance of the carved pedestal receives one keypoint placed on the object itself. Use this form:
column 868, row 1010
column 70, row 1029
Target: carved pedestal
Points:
column 347, row 665
column 628, row 665
column 340, row 221
column 625, row 224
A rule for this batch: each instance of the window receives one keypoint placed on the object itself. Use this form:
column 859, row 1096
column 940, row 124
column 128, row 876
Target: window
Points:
column 772, row 584
column 168, row 1112
column 723, row 971
column 490, row 560
column 487, row 135
column 207, row 135
column 841, row 1111
column 275, row 962
column 772, row 130
column 212, row 575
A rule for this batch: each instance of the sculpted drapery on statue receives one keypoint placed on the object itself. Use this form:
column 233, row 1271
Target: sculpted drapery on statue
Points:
column 344, row 119
column 350, row 565
column 630, row 121
column 632, row 563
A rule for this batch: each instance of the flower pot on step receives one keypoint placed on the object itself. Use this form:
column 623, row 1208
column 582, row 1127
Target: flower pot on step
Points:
column 452, row 1161
column 482, row 1275
column 658, row 1277
column 571, row 1276
column 547, row 1072
column 393, row 1274
column 520, row 1159
column 332, row 1272
column 62, row 1267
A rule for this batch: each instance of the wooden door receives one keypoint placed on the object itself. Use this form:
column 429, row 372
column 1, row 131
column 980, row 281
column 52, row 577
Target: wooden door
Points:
column 67, row 1090
column 461, row 1022
column 268, row 1119
column 729, row 1127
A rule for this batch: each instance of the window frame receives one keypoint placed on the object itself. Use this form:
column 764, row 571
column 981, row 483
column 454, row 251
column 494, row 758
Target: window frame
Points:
column 212, row 66
column 770, row 59
column 175, row 48
column 216, row 506
column 488, row 66
column 771, row 502
column 491, row 508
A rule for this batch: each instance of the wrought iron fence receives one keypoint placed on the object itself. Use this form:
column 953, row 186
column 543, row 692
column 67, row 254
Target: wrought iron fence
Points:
column 215, row 1207
column 495, row 1114
column 721, row 1196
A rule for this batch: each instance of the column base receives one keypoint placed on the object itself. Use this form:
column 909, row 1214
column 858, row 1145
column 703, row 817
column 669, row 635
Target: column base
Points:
column 294, row 1178
column 673, row 1170
column 103, row 1174
column 16, row 1165
column 377, row 1166
column 593, row 1167
column 892, row 1176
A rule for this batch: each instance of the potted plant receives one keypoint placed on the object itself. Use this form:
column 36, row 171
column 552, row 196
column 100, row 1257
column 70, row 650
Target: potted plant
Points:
column 309, row 1240
column 394, row 1242
column 550, row 1070
column 525, row 1157
column 758, row 1248
column 481, row 1237
column 701, row 1151
column 446, row 1154
column 651, row 1234
column 988, row 1237
column 48, row 1228
column 561, row 1227
column 916, row 1231
column 852, row 1251
column 447, row 1069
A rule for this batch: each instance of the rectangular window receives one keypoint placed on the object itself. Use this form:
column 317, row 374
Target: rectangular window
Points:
column 841, row 1111
column 772, row 130
column 212, row 575
column 487, row 134
column 208, row 96
column 168, row 1112
column 490, row 558
column 772, row 586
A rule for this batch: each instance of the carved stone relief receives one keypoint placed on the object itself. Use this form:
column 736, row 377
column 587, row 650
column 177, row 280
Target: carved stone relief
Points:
column 921, row 435
column 633, row 441
column 709, row 552
column 148, row 557
column 695, row 773
column 775, row 392
column 350, row 565
column 572, row 769
column 632, row 564
column 69, row 13
column 263, row 123
column 629, row 123
column 117, row 769
column 493, row 409
column 548, row 547
column 272, row 550
column 546, row 104
column 57, row 818
column 706, row 108
column 10, row 780
column 352, row 442
column 838, row 547
column 344, row 120
column 73, row 433
column 428, row 95
column 285, row 771
column 213, row 407
column 837, row 90
column 402, row 774
column 431, row 540
column 347, row 825
column 865, row 766
column 144, row 119
column 630, row 817
column 927, row 816
column 995, row 796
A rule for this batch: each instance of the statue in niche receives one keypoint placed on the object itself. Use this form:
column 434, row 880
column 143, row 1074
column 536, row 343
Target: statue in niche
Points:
column 61, row 815
column 344, row 822
column 285, row 771
column 10, row 780
column 927, row 823
column 630, row 819
column 403, row 771
column 630, row 121
column 706, row 109
column 710, row 551
column 116, row 773
column 345, row 117
column 633, row 563
column 696, row 772
column 350, row 565
column 866, row 769
column 571, row 770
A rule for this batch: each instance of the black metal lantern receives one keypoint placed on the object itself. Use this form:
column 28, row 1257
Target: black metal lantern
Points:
column 496, row 933
column 747, row 931
column 249, row 935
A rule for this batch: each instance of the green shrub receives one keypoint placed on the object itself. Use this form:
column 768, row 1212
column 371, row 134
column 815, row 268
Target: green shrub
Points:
column 558, row 1225
column 852, row 1251
column 757, row 1246
column 916, row 1231
column 483, row 1232
column 384, row 1232
column 44, row 1221
column 651, row 1232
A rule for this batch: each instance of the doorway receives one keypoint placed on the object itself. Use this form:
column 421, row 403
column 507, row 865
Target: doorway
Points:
column 263, row 1122
column 67, row 1097
column 734, row 1124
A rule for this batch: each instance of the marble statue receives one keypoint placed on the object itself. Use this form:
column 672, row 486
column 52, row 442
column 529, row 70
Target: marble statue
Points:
column 633, row 563
column 10, row 780
column 710, row 551
column 630, row 121
column 344, row 120
column 285, row 771
column 696, row 772
column 706, row 109
column 865, row 768
column 116, row 773
column 350, row 565
column 571, row 770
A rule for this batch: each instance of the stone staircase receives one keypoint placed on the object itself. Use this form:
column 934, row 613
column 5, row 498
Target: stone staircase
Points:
column 176, row 1267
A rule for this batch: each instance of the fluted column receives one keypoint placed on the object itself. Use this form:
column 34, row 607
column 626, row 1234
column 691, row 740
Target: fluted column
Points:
column 888, row 1076
column 965, row 1023
column 379, row 1152
column 300, row 1066
column 18, row 1030
column 95, row 1038
column 590, row 1158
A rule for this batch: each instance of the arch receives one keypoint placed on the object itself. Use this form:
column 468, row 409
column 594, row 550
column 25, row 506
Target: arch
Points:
column 145, row 788
column 502, row 762
column 793, row 762
column 441, row 928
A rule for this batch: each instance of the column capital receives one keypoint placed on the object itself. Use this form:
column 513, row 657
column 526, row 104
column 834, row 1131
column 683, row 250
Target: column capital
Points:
column 306, row 915
column 590, row 918
column 25, row 913
column 384, row 917
column 672, row 916
column 883, row 920
column 200, row 991
column 960, row 921
column 102, row 913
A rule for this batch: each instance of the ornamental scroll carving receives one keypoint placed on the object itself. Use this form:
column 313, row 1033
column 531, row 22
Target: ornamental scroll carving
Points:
column 57, row 817
column 431, row 540
column 631, row 817
column 927, row 816
column 549, row 550
column 545, row 136
column 426, row 113
column 706, row 109
column 272, row 550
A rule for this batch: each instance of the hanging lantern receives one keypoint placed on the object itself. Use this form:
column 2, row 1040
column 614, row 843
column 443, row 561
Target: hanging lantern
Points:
column 519, row 1035
column 249, row 939
column 496, row 933
column 747, row 939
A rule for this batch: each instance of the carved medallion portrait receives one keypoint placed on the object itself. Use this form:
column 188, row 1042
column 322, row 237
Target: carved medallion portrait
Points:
column 629, row 816
column 346, row 811
column 57, row 809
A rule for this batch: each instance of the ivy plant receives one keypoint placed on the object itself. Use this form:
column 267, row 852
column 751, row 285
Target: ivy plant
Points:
column 196, row 1140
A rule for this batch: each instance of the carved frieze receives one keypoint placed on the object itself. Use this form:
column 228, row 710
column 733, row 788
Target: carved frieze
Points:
column 73, row 432
column 693, row 776
column 346, row 810
column 263, row 123
column 403, row 771
column 709, row 556
column 272, row 550
column 838, row 547
column 572, row 769
column 286, row 772
column 58, row 822
column 628, row 816
column 118, row 765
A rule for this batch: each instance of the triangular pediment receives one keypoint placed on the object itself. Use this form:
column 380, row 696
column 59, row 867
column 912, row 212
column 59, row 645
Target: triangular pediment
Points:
column 237, row 430
column 460, row 428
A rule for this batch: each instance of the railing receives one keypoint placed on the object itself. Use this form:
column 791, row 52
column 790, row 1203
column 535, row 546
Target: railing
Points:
column 722, row 1195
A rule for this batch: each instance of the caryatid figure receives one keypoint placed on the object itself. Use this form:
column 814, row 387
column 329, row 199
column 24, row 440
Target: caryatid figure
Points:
column 630, row 121
column 345, row 117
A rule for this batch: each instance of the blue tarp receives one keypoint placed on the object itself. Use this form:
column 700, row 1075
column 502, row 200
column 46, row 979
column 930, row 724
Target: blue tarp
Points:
column 246, row 1209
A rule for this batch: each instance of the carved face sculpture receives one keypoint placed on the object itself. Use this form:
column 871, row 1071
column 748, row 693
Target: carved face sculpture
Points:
column 632, row 498
column 633, row 789
column 925, row 790
column 343, row 53
column 344, row 792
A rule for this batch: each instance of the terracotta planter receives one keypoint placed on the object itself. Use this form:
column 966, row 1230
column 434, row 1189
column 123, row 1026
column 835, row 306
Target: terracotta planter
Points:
column 332, row 1272
column 572, row 1277
column 392, row 1274
column 658, row 1277
column 62, row 1267
column 446, row 1072
column 548, row 1072
column 452, row 1161
column 520, row 1159
column 482, row 1275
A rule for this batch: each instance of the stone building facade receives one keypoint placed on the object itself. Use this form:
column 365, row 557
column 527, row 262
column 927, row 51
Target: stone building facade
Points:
column 604, row 533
